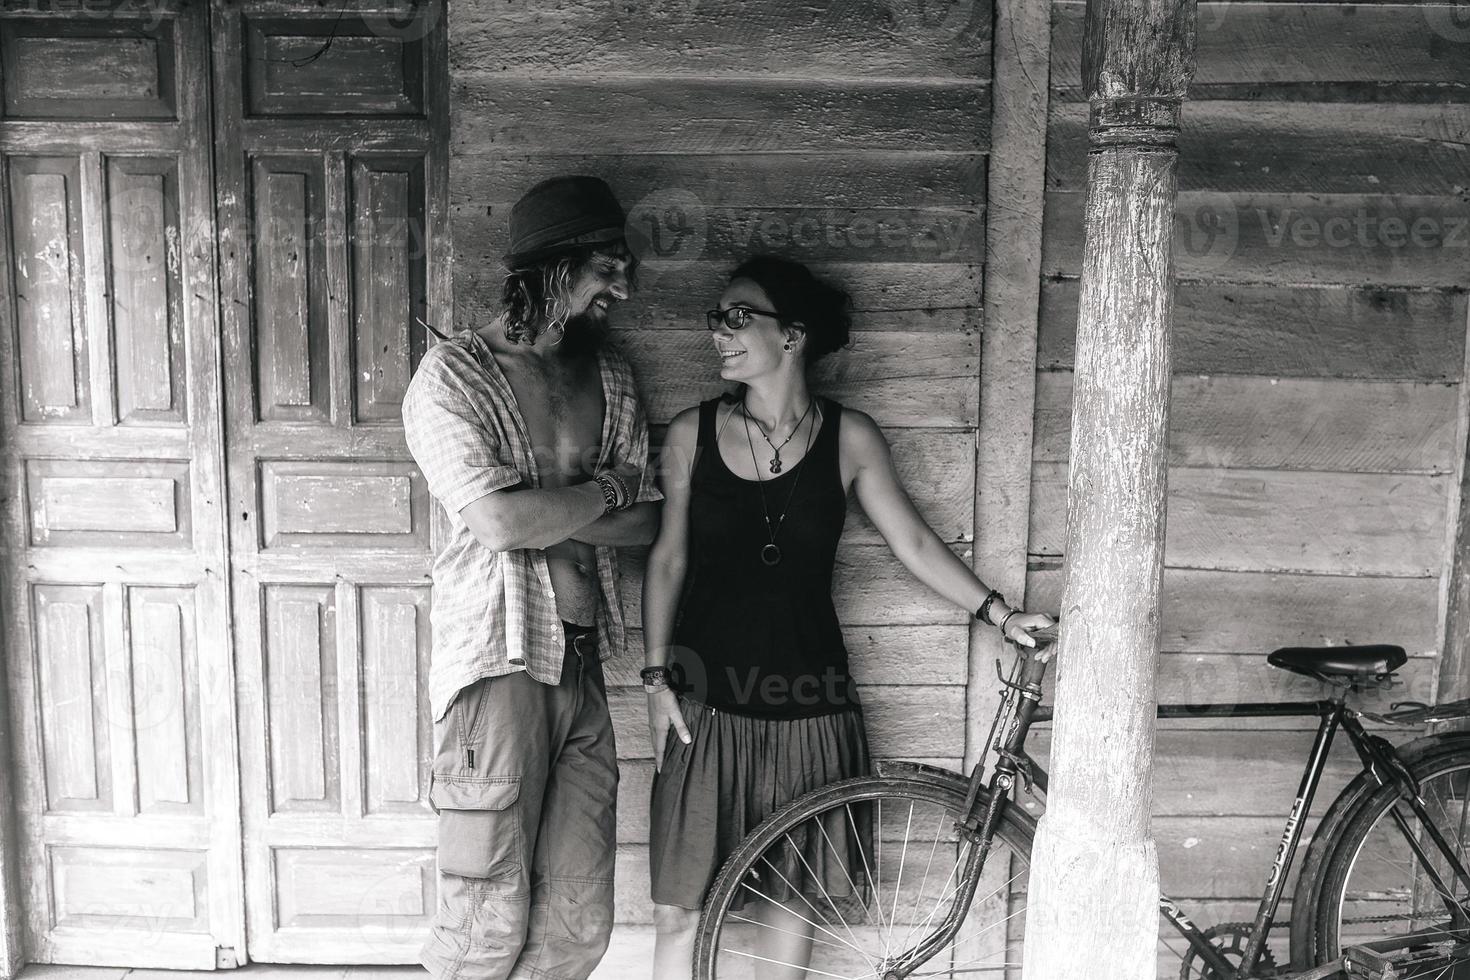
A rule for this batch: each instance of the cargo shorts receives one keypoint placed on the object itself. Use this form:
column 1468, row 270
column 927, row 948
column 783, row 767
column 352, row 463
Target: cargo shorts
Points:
column 525, row 784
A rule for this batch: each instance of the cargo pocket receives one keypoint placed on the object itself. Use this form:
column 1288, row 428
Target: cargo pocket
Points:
column 479, row 825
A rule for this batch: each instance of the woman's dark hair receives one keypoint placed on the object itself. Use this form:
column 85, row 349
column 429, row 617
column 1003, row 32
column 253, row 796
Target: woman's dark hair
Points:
column 536, row 294
column 825, row 311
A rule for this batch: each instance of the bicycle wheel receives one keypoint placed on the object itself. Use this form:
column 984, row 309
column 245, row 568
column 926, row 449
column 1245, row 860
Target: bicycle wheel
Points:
column 866, row 868
column 1369, row 885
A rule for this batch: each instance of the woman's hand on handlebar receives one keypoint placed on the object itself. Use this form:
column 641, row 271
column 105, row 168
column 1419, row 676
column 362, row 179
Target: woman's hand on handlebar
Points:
column 1034, row 630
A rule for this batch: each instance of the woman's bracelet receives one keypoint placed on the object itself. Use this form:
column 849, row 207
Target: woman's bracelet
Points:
column 655, row 679
column 1006, row 619
column 983, row 613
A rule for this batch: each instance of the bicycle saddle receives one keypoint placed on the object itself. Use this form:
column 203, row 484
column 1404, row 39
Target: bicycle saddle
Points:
column 1364, row 661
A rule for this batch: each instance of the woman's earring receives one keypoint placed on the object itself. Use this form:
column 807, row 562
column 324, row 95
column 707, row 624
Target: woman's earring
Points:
column 788, row 347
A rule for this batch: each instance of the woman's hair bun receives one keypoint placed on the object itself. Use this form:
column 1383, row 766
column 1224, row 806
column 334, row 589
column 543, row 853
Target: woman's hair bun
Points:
column 824, row 311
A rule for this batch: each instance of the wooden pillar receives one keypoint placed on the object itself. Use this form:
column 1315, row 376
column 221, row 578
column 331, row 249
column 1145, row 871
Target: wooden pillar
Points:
column 1016, row 178
column 1454, row 636
column 1094, row 889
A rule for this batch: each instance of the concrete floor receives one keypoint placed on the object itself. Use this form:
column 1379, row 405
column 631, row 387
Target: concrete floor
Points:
column 628, row 958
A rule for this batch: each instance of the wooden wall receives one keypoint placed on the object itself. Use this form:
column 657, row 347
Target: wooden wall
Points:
column 1323, row 258
column 851, row 136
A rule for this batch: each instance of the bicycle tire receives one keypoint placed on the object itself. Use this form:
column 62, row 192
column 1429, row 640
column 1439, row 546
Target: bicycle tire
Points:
column 1358, row 859
column 936, row 789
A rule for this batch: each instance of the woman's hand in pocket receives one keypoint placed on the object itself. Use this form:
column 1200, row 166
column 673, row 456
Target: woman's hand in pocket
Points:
column 663, row 714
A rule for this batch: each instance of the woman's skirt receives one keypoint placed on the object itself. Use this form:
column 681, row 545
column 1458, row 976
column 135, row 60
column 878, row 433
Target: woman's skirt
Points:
column 736, row 771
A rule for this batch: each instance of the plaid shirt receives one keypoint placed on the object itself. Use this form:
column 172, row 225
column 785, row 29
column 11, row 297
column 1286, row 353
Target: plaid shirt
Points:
column 494, row 612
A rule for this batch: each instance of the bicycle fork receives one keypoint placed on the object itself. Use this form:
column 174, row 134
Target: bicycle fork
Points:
column 978, row 829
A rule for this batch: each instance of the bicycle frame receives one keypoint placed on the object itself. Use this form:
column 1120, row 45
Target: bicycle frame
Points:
column 1378, row 756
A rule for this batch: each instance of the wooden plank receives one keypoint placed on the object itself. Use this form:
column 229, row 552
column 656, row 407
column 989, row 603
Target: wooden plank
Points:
column 1292, row 423
column 301, row 664
column 1200, row 772
column 820, row 39
column 877, row 655
column 673, row 295
column 936, row 467
column 1002, row 489
column 388, row 277
column 716, row 115
column 1275, row 147
column 902, row 721
column 289, row 263
column 938, row 470
column 164, row 655
column 901, row 379
column 1291, row 331
column 144, row 266
column 698, row 230
column 874, row 179
column 1306, row 51
column 45, row 205
column 1254, row 612
column 397, row 730
column 1348, row 239
column 1279, row 520
column 214, row 651
column 870, row 587
column 72, row 697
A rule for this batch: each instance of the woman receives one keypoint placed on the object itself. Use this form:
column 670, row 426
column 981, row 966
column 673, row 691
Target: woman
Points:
column 746, row 663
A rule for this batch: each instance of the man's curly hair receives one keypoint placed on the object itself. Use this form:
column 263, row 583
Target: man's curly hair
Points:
column 536, row 297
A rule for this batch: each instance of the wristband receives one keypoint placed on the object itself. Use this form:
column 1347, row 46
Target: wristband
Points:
column 983, row 613
column 625, row 498
column 609, row 493
column 654, row 679
column 1006, row 619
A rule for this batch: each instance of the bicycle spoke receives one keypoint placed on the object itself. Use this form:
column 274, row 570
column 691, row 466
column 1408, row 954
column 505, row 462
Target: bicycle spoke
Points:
column 841, row 862
column 857, row 929
column 794, row 966
column 830, row 901
column 786, row 932
column 877, row 900
column 803, row 918
column 928, row 865
column 898, row 883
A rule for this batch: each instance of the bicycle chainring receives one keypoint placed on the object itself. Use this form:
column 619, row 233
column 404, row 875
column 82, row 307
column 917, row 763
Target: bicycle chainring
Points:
column 1231, row 938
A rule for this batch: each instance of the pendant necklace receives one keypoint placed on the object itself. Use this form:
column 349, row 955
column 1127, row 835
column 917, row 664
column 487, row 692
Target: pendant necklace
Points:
column 776, row 460
column 771, row 553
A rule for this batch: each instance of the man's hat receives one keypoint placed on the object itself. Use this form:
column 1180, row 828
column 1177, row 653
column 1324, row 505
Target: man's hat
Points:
column 562, row 212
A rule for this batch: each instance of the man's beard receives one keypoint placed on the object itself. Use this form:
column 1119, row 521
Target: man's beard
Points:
column 585, row 334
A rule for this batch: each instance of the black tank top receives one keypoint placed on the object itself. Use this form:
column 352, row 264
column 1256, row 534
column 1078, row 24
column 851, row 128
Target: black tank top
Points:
column 753, row 638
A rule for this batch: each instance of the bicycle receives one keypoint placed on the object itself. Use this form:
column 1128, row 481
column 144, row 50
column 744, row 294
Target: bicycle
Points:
column 1383, row 894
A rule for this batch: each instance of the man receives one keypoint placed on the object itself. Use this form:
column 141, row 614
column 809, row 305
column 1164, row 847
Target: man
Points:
column 532, row 437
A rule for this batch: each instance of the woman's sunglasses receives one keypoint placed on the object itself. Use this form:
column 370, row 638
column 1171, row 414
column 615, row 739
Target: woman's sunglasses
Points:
column 736, row 317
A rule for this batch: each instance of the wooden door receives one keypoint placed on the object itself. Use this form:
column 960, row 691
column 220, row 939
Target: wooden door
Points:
column 116, row 630
column 331, row 154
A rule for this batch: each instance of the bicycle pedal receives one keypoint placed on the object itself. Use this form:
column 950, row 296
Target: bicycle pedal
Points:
column 1448, row 960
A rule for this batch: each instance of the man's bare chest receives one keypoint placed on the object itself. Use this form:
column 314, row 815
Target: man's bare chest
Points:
column 563, row 413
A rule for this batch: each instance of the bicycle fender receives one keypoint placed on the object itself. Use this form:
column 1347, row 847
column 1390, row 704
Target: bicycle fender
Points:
column 959, row 782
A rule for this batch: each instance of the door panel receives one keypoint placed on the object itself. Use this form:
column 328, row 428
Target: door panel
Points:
column 326, row 121
column 117, row 641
